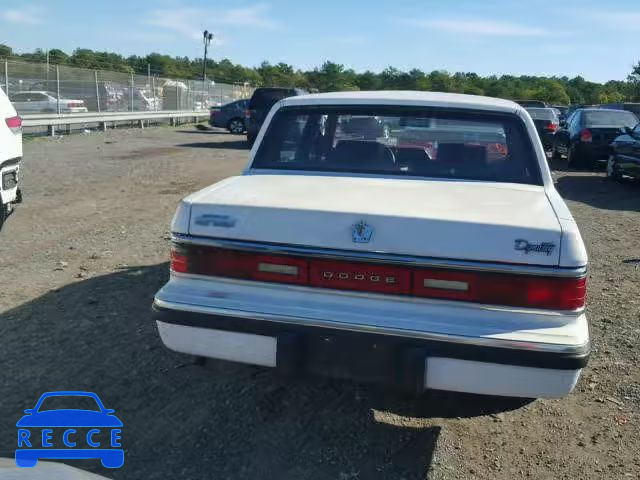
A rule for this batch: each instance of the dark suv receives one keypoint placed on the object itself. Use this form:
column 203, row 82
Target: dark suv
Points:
column 260, row 104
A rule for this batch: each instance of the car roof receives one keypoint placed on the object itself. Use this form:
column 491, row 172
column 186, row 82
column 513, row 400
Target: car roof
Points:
column 592, row 109
column 404, row 98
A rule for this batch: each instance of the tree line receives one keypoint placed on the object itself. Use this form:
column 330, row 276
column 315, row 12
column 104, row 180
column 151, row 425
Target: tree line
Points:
column 333, row 76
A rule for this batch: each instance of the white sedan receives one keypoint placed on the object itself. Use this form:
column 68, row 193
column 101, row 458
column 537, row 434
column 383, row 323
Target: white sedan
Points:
column 45, row 102
column 10, row 157
column 438, row 257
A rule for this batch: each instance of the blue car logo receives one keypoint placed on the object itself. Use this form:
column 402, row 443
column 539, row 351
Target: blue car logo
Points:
column 69, row 433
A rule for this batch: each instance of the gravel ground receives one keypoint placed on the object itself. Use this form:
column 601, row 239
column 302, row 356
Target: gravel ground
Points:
column 83, row 256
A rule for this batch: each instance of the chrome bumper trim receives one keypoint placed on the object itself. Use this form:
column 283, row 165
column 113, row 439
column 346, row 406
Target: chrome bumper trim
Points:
column 363, row 328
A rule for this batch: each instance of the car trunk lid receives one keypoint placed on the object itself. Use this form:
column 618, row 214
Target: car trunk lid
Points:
column 604, row 135
column 481, row 221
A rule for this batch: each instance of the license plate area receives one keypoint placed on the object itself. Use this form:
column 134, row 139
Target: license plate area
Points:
column 345, row 357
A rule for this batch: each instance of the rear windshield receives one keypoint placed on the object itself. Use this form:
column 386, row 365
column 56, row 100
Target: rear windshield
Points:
column 400, row 141
column 531, row 103
column 266, row 98
column 542, row 113
column 610, row 118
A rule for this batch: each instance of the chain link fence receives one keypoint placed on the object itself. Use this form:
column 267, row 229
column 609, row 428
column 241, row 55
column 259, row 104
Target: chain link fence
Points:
column 35, row 88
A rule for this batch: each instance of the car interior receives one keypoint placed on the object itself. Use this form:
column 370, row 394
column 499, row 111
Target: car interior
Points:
column 423, row 148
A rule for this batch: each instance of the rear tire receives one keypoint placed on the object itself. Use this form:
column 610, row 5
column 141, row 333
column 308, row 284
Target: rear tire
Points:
column 236, row 126
column 612, row 171
column 4, row 213
column 571, row 157
column 555, row 155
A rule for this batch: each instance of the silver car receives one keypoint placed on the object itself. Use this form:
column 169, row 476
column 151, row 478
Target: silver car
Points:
column 45, row 102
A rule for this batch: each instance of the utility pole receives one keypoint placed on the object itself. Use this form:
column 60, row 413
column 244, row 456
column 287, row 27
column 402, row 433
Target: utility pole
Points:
column 48, row 89
column 206, row 38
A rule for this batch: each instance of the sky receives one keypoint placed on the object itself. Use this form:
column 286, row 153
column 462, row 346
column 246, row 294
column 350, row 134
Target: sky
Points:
column 597, row 40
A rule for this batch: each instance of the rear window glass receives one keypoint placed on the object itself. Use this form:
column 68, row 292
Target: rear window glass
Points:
column 607, row 118
column 400, row 141
column 531, row 103
column 542, row 113
column 266, row 98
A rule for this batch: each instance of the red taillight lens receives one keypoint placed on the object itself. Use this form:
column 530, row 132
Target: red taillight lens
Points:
column 14, row 123
column 552, row 127
column 179, row 262
column 469, row 286
column 498, row 289
column 534, row 292
column 586, row 136
column 74, row 104
column 248, row 266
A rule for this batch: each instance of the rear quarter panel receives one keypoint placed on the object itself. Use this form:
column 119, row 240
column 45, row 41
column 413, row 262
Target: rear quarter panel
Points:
column 10, row 143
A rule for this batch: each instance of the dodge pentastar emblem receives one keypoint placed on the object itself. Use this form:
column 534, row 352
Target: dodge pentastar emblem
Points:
column 361, row 232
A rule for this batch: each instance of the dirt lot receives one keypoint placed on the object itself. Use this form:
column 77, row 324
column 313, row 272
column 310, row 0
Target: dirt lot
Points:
column 83, row 256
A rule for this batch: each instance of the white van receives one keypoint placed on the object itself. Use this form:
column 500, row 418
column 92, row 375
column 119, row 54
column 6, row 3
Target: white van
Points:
column 10, row 157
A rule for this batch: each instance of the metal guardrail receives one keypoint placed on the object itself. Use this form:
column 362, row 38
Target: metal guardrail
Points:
column 103, row 119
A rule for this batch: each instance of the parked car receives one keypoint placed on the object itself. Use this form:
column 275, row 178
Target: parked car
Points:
column 625, row 156
column 371, row 260
column 586, row 138
column 531, row 103
column 10, row 157
column 260, row 104
column 547, row 123
column 106, row 96
column 562, row 111
column 573, row 108
column 44, row 102
column 230, row 116
column 144, row 103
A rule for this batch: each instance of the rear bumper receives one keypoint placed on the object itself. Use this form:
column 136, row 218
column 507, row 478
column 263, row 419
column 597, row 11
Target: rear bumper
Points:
column 593, row 152
column 546, row 138
column 9, row 181
column 216, row 122
column 378, row 355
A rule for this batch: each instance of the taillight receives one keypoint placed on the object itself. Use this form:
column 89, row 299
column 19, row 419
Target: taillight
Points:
column 179, row 261
column 74, row 104
column 243, row 265
column 586, row 136
column 500, row 289
column 469, row 286
column 14, row 124
column 247, row 113
column 552, row 127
